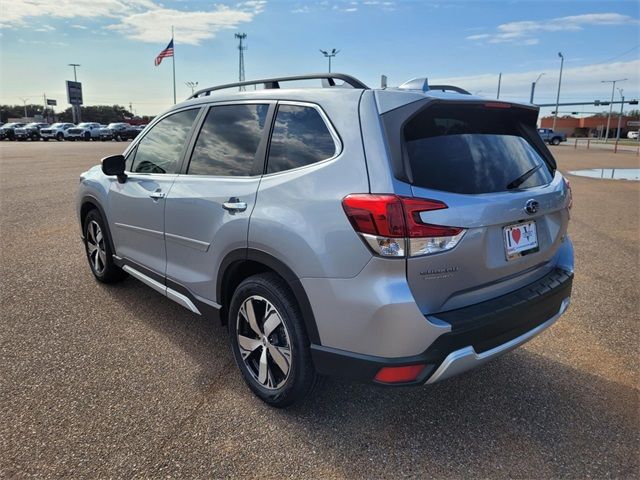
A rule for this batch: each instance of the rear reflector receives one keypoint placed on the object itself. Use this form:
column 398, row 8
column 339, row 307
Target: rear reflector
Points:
column 404, row 374
column 391, row 224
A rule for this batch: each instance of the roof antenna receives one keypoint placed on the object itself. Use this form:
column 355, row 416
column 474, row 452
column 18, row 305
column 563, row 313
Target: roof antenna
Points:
column 421, row 84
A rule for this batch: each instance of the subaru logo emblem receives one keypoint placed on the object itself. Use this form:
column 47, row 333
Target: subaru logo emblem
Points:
column 531, row 207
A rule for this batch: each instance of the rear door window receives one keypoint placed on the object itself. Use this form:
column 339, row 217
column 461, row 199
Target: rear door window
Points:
column 229, row 140
column 471, row 150
column 300, row 137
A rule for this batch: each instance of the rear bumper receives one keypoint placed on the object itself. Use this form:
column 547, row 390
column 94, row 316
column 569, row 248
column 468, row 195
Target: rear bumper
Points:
column 478, row 334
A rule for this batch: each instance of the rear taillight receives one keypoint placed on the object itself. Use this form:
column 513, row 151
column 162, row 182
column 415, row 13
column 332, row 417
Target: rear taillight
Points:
column 391, row 225
column 405, row 374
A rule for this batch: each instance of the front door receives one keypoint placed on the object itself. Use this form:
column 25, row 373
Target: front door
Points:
column 137, row 207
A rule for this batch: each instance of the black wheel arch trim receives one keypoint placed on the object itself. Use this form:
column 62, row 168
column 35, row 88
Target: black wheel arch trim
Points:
column 89, row 199
column 278, row 266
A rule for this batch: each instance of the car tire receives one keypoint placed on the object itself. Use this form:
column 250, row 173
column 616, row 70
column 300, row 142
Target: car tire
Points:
column 59, row 136
column 87, row 137
column 555, row 141
column 267, row 337
column 99, row 250
column 45, row 139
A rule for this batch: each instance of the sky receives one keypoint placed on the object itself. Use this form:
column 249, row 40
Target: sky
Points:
column 465, row 43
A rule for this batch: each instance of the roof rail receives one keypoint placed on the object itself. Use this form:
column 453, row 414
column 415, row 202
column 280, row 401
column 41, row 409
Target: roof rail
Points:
column 449, row 88
column 328, row 80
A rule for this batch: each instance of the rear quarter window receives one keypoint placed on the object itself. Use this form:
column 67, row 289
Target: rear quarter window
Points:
column 300, row 137
column 470, row 150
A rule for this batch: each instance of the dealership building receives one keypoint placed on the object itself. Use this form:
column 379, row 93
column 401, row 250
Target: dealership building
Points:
column 594, row 126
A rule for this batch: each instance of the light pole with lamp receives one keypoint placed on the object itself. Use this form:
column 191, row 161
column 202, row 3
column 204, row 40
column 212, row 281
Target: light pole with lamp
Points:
column 330, row 55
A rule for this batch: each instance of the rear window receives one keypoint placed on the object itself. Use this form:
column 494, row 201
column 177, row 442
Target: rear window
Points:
column 471, row 150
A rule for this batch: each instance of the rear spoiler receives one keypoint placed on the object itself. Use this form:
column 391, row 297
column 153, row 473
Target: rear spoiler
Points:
column 395, row 120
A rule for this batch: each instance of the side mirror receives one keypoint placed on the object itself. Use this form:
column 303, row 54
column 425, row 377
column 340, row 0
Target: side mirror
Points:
column 114, row 165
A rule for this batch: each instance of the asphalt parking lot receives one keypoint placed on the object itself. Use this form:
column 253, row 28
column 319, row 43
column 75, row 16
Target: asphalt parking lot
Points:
column 117, row 381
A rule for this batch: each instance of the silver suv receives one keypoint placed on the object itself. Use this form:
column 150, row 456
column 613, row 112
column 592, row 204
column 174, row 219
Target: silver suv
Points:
column 396, row 236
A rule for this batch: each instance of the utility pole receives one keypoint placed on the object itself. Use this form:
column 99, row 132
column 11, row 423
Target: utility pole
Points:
column 241, row 49
column 192, row 86
column 621, row 112
column 330, row 55
column 613, row 90
column 533, row 86
column 555, row 115
column 499, row 83
column 75, row 109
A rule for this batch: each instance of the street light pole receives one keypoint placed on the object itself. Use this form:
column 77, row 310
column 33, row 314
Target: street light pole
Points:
column 613, row 91
column 533, row 86
column 75, row 109
column 192, row 86
column 24, row 101
column 555, row 115
column 330, row 55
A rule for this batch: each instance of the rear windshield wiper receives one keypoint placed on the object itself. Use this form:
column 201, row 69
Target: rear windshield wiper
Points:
column 523, row 178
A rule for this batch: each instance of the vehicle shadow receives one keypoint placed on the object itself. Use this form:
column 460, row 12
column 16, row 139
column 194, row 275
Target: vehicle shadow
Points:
column 522, row 415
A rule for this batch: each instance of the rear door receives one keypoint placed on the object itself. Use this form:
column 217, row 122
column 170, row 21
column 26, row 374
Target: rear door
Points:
column 485, row 163
column 136, row 207
column 210, row 203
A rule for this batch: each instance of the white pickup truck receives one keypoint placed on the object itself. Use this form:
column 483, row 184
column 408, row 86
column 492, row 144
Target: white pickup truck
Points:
column 58, row 131
column 85, row 131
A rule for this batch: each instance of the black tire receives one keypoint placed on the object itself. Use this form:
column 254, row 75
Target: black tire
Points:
column 110, row 272
column 118, row 138
column 555, row 141
column 59, row 136
column 45, row 139
column 87, row 137
column 301, row 376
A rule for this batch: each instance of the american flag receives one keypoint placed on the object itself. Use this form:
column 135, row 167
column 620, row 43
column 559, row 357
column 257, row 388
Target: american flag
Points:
column 167, row 52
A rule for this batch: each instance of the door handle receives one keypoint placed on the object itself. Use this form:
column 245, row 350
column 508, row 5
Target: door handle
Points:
column 157, row 195
column 234, row 205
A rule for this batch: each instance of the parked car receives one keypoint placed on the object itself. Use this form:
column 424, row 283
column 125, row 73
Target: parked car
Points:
column 58, row 131
column 118, row 131
column 633, row 135
column 7, row 131
column 30, row 131
column 85, row 131
column 397, row 236
column 551, row 137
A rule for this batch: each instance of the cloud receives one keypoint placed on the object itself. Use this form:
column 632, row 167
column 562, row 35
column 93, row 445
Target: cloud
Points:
column 15, row 13
column 523, row 32
column 578, row 83
column 191, row 27
column 141, row 20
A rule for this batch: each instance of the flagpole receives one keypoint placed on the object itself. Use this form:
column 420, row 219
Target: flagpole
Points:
column 173, row 57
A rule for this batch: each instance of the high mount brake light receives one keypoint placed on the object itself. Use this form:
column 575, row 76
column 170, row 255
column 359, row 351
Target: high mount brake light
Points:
column 391, row 224
column 497, row 105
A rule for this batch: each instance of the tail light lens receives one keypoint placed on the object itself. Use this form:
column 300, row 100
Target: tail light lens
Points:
column 392, row 227
column 404, row 374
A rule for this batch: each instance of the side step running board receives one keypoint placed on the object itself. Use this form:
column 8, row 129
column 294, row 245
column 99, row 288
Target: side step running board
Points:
column 163, row 289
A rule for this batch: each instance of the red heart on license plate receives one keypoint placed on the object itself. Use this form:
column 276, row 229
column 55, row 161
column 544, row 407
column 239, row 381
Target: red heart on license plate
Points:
column 515, row 234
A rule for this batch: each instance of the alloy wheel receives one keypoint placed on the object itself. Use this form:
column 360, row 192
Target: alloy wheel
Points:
column 96, row 247
column 263, row 341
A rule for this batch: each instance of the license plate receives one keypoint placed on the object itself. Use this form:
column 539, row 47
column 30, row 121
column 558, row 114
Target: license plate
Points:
column 520, row 239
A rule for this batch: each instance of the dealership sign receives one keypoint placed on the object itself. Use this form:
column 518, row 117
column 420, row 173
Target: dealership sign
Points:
column 74, row 92
column 633, row 123
column 52, row 102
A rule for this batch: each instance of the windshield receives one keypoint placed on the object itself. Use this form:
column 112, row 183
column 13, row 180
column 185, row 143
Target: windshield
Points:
column 85, row 124
column 13, row 124
column 471, row 150
column 57, row 125
column 115, row 125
